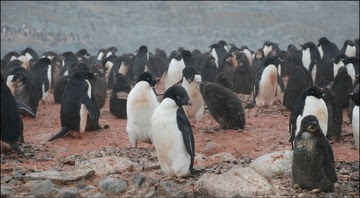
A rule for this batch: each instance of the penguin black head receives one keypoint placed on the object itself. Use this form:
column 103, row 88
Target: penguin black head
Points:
column 77, row 67
column 82, row 52
column 30, row 51
column 83, row 75
column 339, row 57
column 323, row 41
column 215, row 45
column 148, row 77
column 349, row 42
column 268, row 43
column 186, row 54
column 189, row 73
column 310, row 124
column 178, row 94
column 44, row 61
column 313, row 91
column 291, row 47
column 272, row 60
column 222, row 43
column 355, row 97
column 143, row 49
column 176, row 55
column 307, row 45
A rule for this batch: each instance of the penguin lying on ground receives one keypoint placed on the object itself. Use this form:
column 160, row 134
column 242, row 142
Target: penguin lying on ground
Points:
column 172, row 134
column 313, row 165
column 76, row 104
column 224, row 105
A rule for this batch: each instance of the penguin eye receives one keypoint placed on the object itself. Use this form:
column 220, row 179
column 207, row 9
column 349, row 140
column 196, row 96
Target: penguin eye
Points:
column 178, row 97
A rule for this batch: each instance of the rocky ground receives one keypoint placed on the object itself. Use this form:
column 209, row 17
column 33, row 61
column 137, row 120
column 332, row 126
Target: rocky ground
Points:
column 251, row 162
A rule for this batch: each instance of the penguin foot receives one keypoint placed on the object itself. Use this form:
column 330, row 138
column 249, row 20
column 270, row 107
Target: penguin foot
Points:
column 16, row 148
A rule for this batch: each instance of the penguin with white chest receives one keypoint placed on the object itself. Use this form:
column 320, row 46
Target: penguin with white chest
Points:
column 310, row 57
column 355, row 117
column 309, row 103
column 40, row 74
column 349, row 48
column 140, row 106
column 266, row 82
column 76, row 104
column 174, row 72
column 190, row 82
column 172, row 134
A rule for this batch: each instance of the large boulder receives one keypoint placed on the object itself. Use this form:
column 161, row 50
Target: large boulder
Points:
column 60, row 177
column 238, row 181
column 274, row 165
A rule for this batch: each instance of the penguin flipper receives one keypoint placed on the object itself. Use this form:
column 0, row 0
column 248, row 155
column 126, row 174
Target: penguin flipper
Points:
column 23, row 106
column 60, row 134
column 89, row 106
column 188, row 136
column 16, row 148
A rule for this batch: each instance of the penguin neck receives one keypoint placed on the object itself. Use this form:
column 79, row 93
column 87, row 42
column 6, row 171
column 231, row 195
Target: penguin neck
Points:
column 169, row 104
column 143, row 85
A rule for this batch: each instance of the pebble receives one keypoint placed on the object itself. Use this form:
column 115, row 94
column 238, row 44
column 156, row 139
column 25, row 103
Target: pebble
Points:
column 15, row 182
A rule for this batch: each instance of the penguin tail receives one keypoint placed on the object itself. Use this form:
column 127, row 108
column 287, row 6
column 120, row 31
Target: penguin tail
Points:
column 60, row 134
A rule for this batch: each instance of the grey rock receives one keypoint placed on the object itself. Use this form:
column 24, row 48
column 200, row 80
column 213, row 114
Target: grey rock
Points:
column 113, row 186
column 172, row 189
column 15, row 182
column 151, row 166
column 43, row 188
column 224, row 157
column 6, row 178
column 138, row 179
column 60, row 177
column 7, row 190
column 237, row 181
column 274, row 165
column 106, row 165
column 69, row 193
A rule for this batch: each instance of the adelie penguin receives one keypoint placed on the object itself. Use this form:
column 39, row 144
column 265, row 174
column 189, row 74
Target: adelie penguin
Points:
column 69, row 58
column 119, row 96
column 141, row 62
column 173, row 74
column 190, row 81
column 11, row 124
column 266, row 82
column 355, row 117
column 342, row 86
column 270, row 48
column 140, row 106
column 40, row 74
column 310, row 57
column 209, row 70
column 313, row 165
column 352, row 65
column 337, row 63
column 349, row 48
column 299, row 79
column 309, row 103
column 27, row 55
column 172, row 134
column 218, row 52
column 327, row 49
column 76, row 104
column 224, row 105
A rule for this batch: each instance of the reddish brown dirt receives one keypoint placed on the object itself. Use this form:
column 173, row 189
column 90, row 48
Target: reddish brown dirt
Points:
column 266, row 130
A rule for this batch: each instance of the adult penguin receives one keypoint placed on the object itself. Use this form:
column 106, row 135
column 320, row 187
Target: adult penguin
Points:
column 224, row 105
column 218, row 52
column 349, row 48
column 172, row 134
column 355, row 117
column 266, row 82
column 11, row 123
column 309, row 103
column 342, row 86
column 141, row 62
column 327, row 49
column 292, row 59
column 299, row 79
column 76, row 104
column 119, row 96
column 190, row 81
column 270, row 48
column 140, row 106
column 310, row 57
column 337, row 63
column 257, row 61
column 173, row 74
column 28, row 54
column 68, row 59
column 313, row 165
column 352, row 65
column 40, row 74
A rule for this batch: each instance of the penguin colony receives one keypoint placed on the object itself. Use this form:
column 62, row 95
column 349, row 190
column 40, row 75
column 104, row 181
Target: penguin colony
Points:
column 321, row 83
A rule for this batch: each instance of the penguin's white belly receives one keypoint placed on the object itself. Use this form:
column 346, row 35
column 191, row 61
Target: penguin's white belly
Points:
column 196, row 110
column 140, row 107
column 350, row 51
column 351, row 72
column 45, row 93
column 174, row 73
column 306, row 58
column 267, row 50
column 267, row 87
column 313, row 72
column 336, row 67
column 321, row 51
column 355, row 125
column 214, row 54
column 316, row 107
column 169, row 144
column 84, row 111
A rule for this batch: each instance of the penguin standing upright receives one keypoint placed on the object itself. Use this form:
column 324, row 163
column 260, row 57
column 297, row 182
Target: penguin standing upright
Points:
column 310, row 57
column 190, row 81
column 327, row 49
column 119, row 96
column 342, row 86
column 309, row 103
column 257, row 61
column 28, row 54
column 355, row 117
column 209, row 71
column 292, row 59
column 224, row 105
column 299, row 79
column 270, row 49
column 40, row 74
column 141, row 62
column 243, row 79
column 266, row 82
column 188, row 59
column 11, row 123
column 76, row 104
column 140, row 106
column 313, row 165
column 349, row 48
column 244, row 49
column 172, row 134
column 218, row 52
column 337, row 63
column 352, row 66
column 173, row 74
column 68, row 59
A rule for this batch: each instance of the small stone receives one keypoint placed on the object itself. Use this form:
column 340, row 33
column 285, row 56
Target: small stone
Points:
column 224, row 157
column 151, row 192
column 60, row 177
column 138, row 179
column 113, row 186
column 69, row 193
column 296, row 186
column 151, row 166
column 316, row 190
column 43, row 188
column 6, row 179
column 330, row 195
column 15, row 182
column 355, row 176
column 7, row 191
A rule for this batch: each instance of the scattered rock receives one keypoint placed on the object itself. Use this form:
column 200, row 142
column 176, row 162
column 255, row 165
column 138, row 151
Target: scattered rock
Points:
column 43, row 188
column 7, row 190
column 138, row 179
column 212, row 148
column 151, row 166
column 15, row 182
column 172, row 189
column 113, row 186
column 224, row 157
column 68, row 193
column 60, row 177
column 238, row 181
column 106, row 165
column 6, row 179
column 274, row 165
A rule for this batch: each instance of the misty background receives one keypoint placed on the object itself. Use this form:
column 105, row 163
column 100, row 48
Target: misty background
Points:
column 70, row 26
